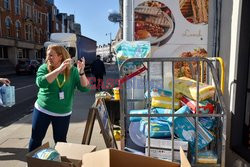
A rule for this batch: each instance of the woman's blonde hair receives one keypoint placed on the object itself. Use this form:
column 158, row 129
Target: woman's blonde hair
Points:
column 60, row 51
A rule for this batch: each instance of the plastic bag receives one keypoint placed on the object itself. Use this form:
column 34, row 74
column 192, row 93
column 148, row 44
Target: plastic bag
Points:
column 136, row 49
column 7, row 95
column 48, row 154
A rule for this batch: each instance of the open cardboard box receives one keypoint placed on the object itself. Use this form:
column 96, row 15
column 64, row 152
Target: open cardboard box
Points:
column 117, row 158
column 71, row 155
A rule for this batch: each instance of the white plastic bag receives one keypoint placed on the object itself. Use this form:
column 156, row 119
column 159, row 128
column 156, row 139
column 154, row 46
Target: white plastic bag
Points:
column 1, row 101
column 8, row 95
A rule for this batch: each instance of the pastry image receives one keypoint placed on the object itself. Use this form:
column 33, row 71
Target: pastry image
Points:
column 195, row 11
column 153, row 22
column 189, row 69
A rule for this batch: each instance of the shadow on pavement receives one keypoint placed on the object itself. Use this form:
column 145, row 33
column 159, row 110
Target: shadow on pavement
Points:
column 13, row 154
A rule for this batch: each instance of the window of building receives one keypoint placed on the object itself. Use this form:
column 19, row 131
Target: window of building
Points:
column 7, row 4
column 36, row 34
column 35, row 16
column 26, row 53
column 8, row 26
column 3, row 52
column 27, row 11
column 28, row 32
column 0, row 25
column 18, row 29
column 40, row 35
column 17, row 7
column 39, row 18
column 19, row 53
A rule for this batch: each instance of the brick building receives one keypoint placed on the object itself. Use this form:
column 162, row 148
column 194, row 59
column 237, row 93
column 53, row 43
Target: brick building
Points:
column 23, row 30
column 24, row 27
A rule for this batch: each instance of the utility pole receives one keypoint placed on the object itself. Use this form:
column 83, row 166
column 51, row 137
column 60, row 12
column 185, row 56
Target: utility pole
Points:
column 110, row 44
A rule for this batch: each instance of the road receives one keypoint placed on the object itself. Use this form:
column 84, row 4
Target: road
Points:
column 26, row 92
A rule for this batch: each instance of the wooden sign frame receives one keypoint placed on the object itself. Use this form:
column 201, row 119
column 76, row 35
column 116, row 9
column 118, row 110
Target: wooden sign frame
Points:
column 99, row 111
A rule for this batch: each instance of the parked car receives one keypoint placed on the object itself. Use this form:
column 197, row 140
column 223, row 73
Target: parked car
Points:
column 27, row 66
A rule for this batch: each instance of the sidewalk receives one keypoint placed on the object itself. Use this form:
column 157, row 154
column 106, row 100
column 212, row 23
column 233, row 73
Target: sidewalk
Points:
column 14, row 139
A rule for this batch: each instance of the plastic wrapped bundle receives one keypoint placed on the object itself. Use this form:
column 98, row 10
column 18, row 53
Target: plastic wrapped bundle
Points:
column 188, row 87
column 204, row 106
column 158, row 128
column 185, row 129
column 145, row 111
column 161, row 98
column 156, row 92
column 136, row 49
column 48, row 154
column 207, row 122
column 164, row 102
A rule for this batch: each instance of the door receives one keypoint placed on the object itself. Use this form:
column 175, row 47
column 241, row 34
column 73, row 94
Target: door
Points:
column 240, row 125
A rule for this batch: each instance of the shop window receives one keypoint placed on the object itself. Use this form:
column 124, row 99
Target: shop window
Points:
column 3, row 52
column 8, row 26
column 18, row 29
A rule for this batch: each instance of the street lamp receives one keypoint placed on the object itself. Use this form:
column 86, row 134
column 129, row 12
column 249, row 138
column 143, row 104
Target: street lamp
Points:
column 110, row 38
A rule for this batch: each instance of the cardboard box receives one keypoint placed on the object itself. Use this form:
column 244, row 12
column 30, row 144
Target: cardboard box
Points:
column 117, row 158
column 74, row 152
column 161, row 148
column 71, row 155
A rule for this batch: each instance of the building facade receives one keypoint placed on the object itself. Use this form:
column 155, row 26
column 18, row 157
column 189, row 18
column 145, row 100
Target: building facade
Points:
column 23, row 29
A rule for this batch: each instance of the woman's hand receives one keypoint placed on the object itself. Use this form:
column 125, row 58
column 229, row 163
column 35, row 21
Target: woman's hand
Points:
column 5, row 81
column 64, row 64
column 81, row 65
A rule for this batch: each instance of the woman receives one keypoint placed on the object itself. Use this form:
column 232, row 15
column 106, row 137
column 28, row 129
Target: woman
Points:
column 57, row 81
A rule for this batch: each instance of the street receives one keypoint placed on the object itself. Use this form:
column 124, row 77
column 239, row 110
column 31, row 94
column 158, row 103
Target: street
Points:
column 26, row 92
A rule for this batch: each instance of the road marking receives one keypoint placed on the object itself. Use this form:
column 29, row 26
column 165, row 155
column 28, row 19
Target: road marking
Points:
column 25, row 87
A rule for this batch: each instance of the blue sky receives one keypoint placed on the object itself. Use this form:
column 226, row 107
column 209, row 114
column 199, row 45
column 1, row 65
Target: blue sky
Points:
column 93, row 17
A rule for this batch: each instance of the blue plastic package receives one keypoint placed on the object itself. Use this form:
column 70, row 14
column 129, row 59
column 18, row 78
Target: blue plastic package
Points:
column 185, row 129
column 153, row 111
column 158, row 128
column 48, row 154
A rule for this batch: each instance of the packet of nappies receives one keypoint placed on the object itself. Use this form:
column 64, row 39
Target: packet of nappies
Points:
column 158, row 128
column 204, row 106
column 188, row 87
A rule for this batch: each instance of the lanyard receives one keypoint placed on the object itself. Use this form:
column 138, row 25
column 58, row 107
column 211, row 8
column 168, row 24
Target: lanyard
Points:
column 60, row 85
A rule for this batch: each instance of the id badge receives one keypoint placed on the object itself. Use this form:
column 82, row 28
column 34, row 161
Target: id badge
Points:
column 61, row 95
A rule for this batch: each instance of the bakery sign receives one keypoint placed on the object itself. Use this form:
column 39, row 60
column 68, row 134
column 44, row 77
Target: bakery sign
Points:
column 173, row 27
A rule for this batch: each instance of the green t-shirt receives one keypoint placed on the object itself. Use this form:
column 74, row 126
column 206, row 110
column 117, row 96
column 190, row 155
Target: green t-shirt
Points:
column 48, row 95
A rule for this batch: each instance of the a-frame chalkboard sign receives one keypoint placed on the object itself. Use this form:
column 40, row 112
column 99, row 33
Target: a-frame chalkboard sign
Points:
column 100, row 112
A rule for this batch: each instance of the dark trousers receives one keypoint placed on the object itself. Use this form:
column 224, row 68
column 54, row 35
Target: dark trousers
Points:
column 98, row 82
column 40, row 124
